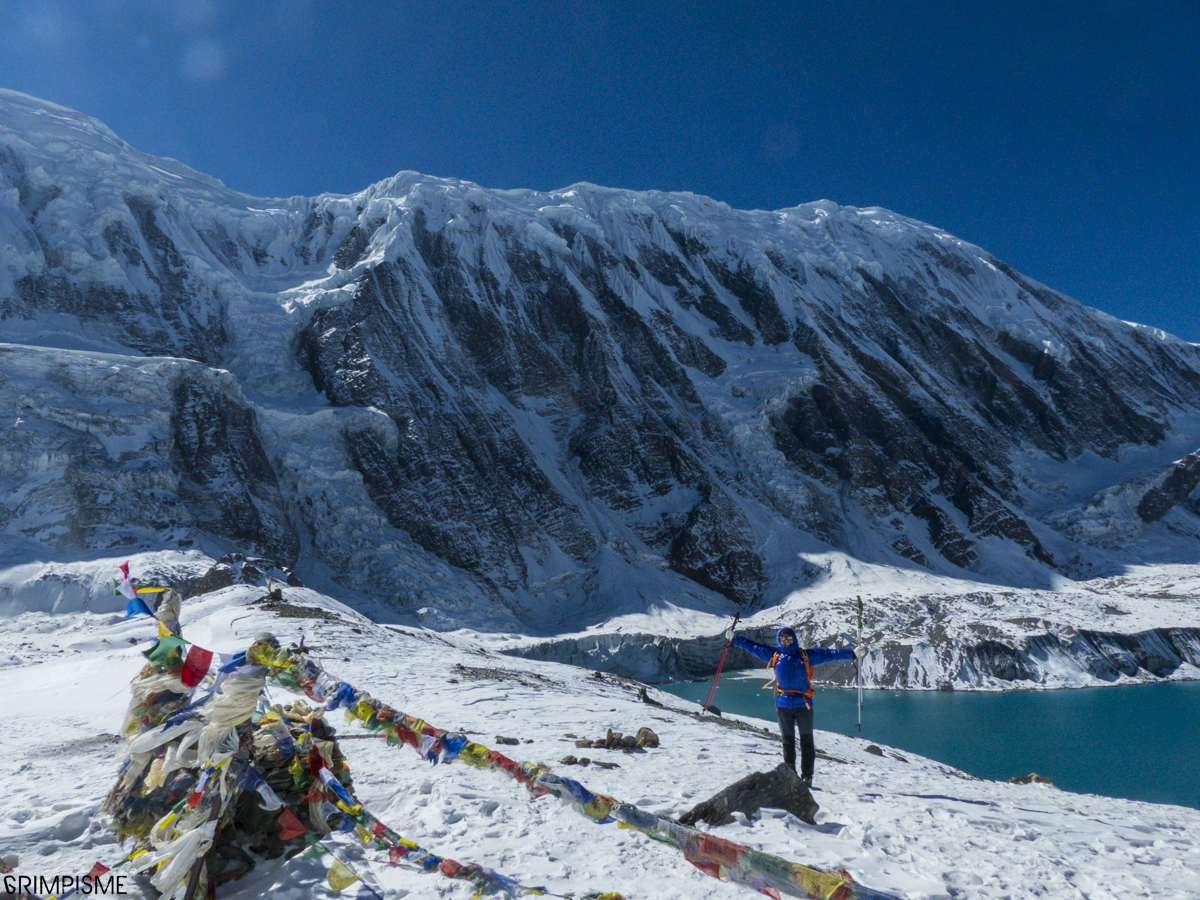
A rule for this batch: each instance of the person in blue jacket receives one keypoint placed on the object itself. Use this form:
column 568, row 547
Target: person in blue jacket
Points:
column 793, row 690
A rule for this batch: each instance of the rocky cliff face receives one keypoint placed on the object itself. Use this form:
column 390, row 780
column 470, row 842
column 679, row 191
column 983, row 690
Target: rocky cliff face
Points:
column 509, row 408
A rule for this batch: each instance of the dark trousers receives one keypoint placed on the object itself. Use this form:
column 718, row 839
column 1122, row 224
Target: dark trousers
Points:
column 790, row 721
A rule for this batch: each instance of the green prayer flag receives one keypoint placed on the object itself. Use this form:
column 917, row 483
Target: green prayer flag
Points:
column 161, row 652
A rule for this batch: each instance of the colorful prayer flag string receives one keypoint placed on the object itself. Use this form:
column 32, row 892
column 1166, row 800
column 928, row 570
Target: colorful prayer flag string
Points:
column 714, row 856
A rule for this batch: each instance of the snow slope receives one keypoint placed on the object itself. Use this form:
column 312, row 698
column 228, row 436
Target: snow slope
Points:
column 898, row 823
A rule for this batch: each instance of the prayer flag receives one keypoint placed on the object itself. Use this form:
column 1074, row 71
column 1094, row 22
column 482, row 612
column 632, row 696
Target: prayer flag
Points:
column 136, row 606
column 161, row 652
column 195, row 667
column 269, row 797
column 96, row 871
column 290, row 826
column 198, row 791
column 340, row 877
column 124, row 567
column 227, row 663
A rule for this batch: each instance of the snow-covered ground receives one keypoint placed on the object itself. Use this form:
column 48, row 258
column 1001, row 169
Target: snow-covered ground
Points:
column 897, row 823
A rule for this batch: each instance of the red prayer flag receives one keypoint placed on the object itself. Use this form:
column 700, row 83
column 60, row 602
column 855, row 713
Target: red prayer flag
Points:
column 97, row 870
column 290, row 826
column 124, row 567
column 195, row 667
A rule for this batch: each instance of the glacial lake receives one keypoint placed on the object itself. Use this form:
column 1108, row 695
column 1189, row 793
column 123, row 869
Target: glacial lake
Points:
column 1140, row 742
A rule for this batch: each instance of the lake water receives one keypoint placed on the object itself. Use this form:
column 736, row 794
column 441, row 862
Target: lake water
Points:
column 1139, row 742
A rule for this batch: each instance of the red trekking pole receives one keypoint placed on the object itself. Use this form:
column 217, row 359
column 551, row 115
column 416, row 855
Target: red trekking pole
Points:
column 708, row 707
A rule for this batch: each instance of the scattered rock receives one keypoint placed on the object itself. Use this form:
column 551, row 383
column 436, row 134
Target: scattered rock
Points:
column 507, row 740
column 616, row 740
column 584, row 761
column 780, row 788
column 1031, row 778
column 235, row 568
column 646, row 698
column 646, row 738
column 875, row 750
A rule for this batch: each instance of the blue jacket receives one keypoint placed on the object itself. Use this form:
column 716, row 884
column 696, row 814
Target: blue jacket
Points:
column 790, row 673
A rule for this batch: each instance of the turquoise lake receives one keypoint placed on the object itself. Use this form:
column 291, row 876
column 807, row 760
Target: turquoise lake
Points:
column 1139, row 742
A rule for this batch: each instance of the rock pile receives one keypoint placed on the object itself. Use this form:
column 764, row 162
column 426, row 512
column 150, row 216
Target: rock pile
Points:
column 615, row 740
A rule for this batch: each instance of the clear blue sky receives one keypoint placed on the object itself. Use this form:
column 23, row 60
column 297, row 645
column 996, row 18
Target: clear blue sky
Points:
column 1062, row 136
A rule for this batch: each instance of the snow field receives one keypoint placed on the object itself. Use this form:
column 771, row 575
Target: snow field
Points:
column 898, row 823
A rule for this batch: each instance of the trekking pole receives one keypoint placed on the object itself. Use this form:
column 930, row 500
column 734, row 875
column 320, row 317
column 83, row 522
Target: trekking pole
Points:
column 708, row 707
column 858, row 666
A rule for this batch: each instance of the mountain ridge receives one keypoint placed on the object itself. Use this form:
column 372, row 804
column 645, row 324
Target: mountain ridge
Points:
column 546, row 410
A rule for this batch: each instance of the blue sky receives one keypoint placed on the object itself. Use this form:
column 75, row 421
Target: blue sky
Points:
column 1063, row 137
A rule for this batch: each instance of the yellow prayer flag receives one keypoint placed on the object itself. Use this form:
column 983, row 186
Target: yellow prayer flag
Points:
column 474, row 754
column 598, row 808
column 163, row 630
column 339, row 877
column 363, row 710
column 817, row 883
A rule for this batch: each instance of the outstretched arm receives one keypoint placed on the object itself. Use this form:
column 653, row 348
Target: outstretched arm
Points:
column 762, row 651
column 818, row 655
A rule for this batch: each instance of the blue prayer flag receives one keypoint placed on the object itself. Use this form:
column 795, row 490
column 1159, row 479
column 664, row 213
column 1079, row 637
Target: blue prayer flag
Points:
column 137, row 606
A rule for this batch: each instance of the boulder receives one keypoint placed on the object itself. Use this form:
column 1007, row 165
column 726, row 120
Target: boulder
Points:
column 646, row 738
column 780, row 788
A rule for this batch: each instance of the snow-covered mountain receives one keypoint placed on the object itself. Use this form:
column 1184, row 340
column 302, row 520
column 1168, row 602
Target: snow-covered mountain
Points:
column 585, row 409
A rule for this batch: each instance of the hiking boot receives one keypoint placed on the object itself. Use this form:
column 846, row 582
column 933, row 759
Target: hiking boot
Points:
column 806, row 780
